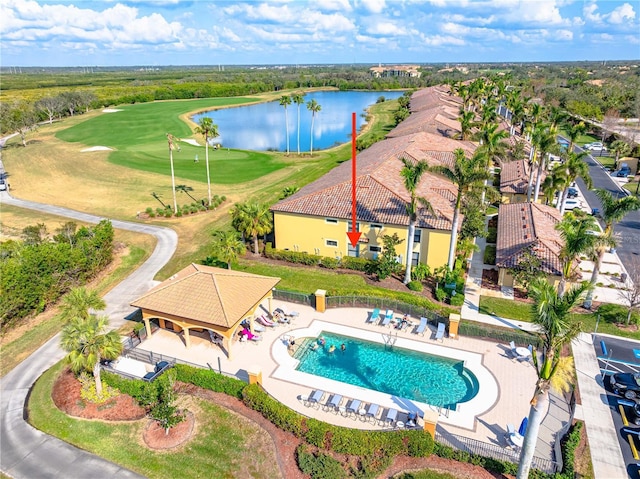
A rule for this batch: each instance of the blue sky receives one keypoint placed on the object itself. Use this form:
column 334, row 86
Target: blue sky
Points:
column 278, row 32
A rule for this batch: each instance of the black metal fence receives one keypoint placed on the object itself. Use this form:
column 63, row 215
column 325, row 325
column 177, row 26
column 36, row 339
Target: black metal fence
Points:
column 385, row 303
column 294, row 297
column 495, row 451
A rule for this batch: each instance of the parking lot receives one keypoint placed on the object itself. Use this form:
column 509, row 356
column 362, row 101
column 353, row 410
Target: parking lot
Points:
column 617, row 355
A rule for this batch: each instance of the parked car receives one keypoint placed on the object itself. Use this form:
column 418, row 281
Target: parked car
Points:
column 570, row 205
column 626, row 384
column 572, row 193
column 3, row 185
column 623, row 173
column 634, row 412
column 595, row 146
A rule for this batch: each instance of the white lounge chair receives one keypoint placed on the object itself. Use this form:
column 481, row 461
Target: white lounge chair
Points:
column 372, row 412
column 420, row 329
column 387, row 318
column 391, row 417
column 353, row 407
column 316, row 396
column 334, row 403
column 375, row 316
column 440, row 332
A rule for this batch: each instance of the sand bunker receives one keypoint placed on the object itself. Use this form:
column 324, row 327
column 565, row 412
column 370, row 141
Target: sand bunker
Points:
column 97, row 148
column 110, row 110
column 191, row 142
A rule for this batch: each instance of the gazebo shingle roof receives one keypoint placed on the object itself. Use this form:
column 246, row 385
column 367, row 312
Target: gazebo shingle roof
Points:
column 523, row 226
column 380, row 194
column 209, row 295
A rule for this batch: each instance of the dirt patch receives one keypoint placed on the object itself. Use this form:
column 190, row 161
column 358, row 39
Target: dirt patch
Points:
column 490, row 279
column 157, row 438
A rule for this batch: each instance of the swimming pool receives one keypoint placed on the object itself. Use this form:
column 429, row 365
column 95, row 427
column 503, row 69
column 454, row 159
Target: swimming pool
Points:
column 427, row 378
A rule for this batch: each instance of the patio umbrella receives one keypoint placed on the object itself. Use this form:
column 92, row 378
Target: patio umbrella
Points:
column 523, row 426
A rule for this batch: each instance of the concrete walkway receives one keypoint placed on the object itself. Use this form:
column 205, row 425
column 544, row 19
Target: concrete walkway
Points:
column 27, row 453
column 606, row 455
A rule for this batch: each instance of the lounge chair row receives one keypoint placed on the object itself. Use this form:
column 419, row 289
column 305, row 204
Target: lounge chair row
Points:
column 356, row 409
column 419, row 329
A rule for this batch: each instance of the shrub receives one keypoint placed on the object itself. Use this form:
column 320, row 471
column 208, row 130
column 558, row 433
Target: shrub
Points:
column 179, row 213
column 329, row 263
column 612, row 313
column 152, row 215
column 358, row 264
column 420, row 272
column 319, row 465
column 414, row 285
column 223, row 198
column 490, row 254
column 441, row 294
column 149, row 210
column 492, row 235
column 457, row 300
column 211, row 380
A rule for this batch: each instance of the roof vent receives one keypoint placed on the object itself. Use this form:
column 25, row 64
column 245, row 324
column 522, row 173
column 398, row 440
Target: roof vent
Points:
column 524, row 226
column 526, row 236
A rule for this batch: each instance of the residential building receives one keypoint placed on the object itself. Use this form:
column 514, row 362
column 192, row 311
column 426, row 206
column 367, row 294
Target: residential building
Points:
column 528, row 228
column 514, row 181
column 396, row 71
column 317, row 218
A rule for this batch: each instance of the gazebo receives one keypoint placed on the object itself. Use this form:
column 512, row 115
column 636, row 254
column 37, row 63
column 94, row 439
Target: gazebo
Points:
column 206, row 298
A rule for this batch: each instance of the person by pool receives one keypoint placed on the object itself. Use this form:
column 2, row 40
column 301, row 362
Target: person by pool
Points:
column 314, row 346
column 321, row 341
column 343, row 348
column 332, row 348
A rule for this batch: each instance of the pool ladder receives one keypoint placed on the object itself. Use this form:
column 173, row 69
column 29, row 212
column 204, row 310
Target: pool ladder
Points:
column 390, row 339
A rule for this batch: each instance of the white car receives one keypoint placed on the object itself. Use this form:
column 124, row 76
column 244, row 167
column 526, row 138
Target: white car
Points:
column 572, row 204
column 595, row 146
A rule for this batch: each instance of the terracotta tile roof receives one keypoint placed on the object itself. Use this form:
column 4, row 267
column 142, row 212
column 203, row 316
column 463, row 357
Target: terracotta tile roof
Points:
column 514, row 177
column 529, row 225
column 381, row 195
column 431, row 97
column 209, row 295
column 440, row 120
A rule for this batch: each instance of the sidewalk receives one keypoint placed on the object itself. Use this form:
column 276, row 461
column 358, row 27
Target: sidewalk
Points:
column 606, row 455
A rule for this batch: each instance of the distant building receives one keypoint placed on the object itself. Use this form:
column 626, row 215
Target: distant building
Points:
column 396, row 71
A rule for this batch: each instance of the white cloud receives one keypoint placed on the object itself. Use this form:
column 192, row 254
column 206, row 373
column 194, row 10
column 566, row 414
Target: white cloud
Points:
column 622, row 14
column 333, row 5
column 373, row 6
column 385, row 28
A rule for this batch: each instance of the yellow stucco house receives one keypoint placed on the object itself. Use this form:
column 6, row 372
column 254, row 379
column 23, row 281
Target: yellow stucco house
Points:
column 514, row 180
column 316, row 219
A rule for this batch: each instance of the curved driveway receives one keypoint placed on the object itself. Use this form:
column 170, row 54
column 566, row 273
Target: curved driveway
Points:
column 27, row 453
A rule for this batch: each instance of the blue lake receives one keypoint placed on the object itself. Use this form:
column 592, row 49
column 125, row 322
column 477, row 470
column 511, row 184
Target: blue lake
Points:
column 262, row 127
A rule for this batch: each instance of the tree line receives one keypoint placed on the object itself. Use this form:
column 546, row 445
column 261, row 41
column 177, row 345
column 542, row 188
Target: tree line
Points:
column 38, row 269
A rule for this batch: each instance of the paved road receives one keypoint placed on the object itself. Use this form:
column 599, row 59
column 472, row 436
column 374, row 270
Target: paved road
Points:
column 27, row 453
column 627, row 230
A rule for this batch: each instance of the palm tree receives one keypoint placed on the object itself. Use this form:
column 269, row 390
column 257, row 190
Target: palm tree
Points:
column 78, row 302
column 546, row 143
column 620, row 148
column 285, row 101
column 574, row 168
column 314, row 107
column 298, row 99
column 613, row 210
column 87, row 342
column 157, row 197
column 493, row 144
column 465, row 173
column 208, row 129
column 252, row 219
column 575, row 230
column 227, row 246
column 411, row 173
column 553, row 183
column 573, row 132
column 172, row 146
column 186, row 189
column 466, row 123
column 551, row 313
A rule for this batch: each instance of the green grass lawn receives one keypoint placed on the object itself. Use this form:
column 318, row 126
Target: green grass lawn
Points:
column 519, row 311
column 223, row 443
column 138, row 136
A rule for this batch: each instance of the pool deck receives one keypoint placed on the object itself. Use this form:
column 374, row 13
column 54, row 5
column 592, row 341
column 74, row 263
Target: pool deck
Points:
column 504, row 398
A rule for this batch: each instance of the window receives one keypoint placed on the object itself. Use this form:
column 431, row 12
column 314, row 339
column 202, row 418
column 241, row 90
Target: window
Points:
column 376, row 225
column 349, row 226
column 354, row 252
column 415, row 258
column 333, row 243
column 417, row 235
column 332, row 221
column 375, row 249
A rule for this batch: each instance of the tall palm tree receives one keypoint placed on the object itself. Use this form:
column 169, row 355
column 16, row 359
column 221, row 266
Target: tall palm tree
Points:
column 493, row 144
column 186, row 189
column 285, row 101
column 314, row 107
column 172, row 146
column 613, row 210
column 554, row 182
column 252, row 219
column 411, row 174
column 574, row 230
column 551, row 313
column 77, row 303
column 88, row 342
column 574, row 168
column 620, row 148
column 573, row 132
column 466, row 119
column 208, row 129
column 157, row 197
column 545, row 143
column 298, row 99
column 227, row 246
column 465, row 173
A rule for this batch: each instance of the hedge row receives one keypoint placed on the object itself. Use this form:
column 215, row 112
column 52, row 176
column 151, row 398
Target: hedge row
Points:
column 300, row 257
column 504, row 335
column 341, row 440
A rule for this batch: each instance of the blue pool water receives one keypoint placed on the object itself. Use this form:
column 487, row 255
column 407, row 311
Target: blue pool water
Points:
column 400, row 372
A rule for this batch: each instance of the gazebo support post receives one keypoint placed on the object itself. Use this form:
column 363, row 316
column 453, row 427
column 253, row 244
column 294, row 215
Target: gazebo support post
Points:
column 270, row 312
column 187, row 339
column 147, row 326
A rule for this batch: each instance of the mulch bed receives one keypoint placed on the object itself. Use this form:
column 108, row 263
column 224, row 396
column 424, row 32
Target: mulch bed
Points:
column 66, row 396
